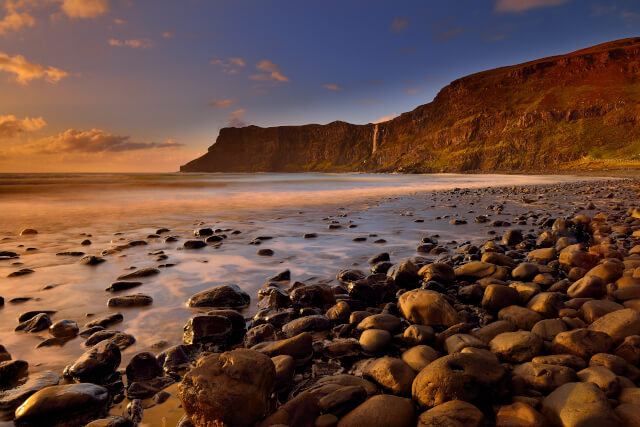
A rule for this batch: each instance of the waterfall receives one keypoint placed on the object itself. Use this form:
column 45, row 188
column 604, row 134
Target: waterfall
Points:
column 375, row 139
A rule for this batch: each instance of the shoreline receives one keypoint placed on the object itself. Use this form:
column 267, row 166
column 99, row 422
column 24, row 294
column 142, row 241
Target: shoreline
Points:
column 418, row 215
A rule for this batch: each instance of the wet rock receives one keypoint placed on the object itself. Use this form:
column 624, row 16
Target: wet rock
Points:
column 135, row 300
column 452, row 413
column 283, row 276
column 64, row 329
column 258, row 334
column 285, row 370
column 312, row 323
column 11, row 371
column 381, row 410
column 339, row 312
column 37, row 323
column 145, row 389
column 96, row 365
column 70, row 404
column 439, row 272
column 427, row 308
column 122, row 286
column 387, row 322
column 194, row 244
column 137, row 274
column 523, row 318
column 478, row 270
column 342, row 400
column 28, row 232
column 265, row 252
column 462, row 376
column 111, row 421
column 106, row 321
column 405, row 275
column 547, row 304
column 4, row 354
column 11, row 399
column 232, row 388
column 91, row 260
column 22, row 272
column 143, row 366
column 176, row 360
column 579, row 404
column 205, row 329
column 298, row 347
column 525, row 271
column 118, row 338
column 418, row 334
column 221, row 296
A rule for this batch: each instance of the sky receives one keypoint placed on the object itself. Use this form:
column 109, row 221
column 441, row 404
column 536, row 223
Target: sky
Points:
column 146, row 85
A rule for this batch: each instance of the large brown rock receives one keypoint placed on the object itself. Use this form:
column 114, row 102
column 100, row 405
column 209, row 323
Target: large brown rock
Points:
column 581, row 342
column 588, row 287
column 579, row 405
column 392, row 374
column 618, row 324
column 298, row 347
column 497, row 297
column 460, row 376
column 519, row 414
column 232, row 388
column 543, row 377
column 522, row 317
column 427, row 308
column 455, row 413
column 382, row 410
column 517, row 347
column 479, row 270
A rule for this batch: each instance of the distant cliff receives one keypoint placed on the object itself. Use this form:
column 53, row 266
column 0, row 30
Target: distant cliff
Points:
column 557, row 112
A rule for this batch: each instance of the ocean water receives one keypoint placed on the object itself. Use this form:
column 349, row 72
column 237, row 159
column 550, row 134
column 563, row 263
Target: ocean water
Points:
column 112, row 209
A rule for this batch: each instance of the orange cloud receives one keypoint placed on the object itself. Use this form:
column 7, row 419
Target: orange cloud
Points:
column 518, row 6
column 168, row 34
column 222, row 103
column 84, row 8
column 11, row 126
column 15, row 19
column 412, row 91
column 399, row 24
column 332, row 87
column 26, row 71
column 92, row 141
column 272, row 72
column 238, row 62
column 133, row 43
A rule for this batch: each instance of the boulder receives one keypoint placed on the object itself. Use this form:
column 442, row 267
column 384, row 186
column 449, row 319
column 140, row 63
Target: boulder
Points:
column 516, row 347
column 453, row 413
column 392, row 374
column 224, row 296
column 427, row 308
column 96, row 365
column 232, row 388
column 581, row 342
column 618, row 324
column 578, row 405
column 382, row 410
column 543, row 377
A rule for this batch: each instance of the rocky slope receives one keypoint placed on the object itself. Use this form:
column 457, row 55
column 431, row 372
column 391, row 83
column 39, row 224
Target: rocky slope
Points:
column 557, row 112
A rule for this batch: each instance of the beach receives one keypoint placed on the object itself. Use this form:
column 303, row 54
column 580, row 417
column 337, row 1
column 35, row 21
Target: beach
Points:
column 311, row 225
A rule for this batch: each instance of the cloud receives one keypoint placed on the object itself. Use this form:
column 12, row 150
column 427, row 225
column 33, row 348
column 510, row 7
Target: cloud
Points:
column 519, row 6
column 399, row 24
column 449, row 33
column 11, row 126
column 234, row 119
column 84, row 8
column 15, row 19
column 412, row 91
column 332, row 87
column 119, row 21
column 168, row 34
column 238, row 62
column 133, row 43
column 272, row 72
column 386, row 118
column 26, row 71
column 369, row 101
column 221, row 103
column 93, row 141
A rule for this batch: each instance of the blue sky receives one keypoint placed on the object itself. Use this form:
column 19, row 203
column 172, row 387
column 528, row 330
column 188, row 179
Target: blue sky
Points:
column 147, row 84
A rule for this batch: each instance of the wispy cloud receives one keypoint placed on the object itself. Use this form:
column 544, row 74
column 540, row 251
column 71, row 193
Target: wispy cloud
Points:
column 25, row 71
column 369, row 101
column 449, row 33
column 92, row 141
column 412, row 91
column 386, row 118
column 332, row 87
column 168, row 34
column 221, row 103
column 235, row 120
column 272, row 72
column 399, row 24
column 133, row 43
column 119, row 21
column 519, row 6
column 11, row 126
column 238, row 62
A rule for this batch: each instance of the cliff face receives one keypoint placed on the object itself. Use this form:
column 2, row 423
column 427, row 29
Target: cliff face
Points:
column 546, row 114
